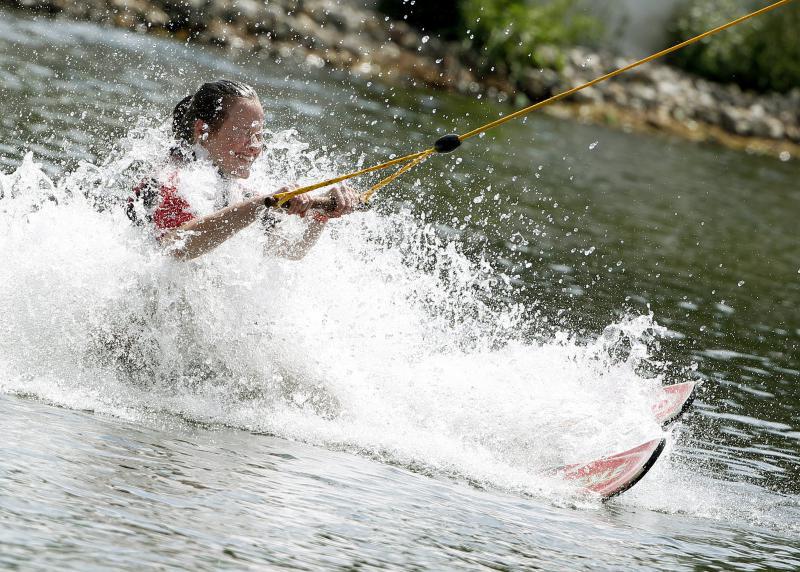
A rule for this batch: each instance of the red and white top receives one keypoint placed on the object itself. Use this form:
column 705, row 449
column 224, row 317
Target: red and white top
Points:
column 167, row 202
column 161, row 204
column 172, row 210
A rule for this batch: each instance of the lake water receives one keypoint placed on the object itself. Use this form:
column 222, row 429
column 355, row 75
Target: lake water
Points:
column 393, row 400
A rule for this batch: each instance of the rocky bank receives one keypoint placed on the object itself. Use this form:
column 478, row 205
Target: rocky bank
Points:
column 347, row 35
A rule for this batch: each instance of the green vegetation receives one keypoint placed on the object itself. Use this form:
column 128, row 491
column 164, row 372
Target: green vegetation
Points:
column 522, row 34
column 762, row 54
column 510, row 35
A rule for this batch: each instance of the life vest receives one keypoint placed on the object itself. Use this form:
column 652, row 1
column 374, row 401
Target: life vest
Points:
column 162, row 205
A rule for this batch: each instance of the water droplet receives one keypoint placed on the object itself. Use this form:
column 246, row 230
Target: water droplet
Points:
column 425, row 39
column 740, row 283
column 593, row 145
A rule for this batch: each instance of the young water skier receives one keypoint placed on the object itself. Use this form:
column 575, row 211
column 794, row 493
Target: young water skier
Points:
column 222, row 124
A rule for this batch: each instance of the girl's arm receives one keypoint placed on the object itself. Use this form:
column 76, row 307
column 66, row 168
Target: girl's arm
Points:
column 203, row 234
column 341, row 200
column 297, row 249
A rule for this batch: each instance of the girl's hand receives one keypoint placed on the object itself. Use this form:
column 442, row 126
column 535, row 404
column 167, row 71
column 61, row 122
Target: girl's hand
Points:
column 346, row 200
column 298, row 205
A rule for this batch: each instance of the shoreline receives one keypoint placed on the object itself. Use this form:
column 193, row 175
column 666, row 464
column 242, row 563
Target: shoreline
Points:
column 344, row 35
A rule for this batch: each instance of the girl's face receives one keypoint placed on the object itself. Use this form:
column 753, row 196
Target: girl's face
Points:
column 236, row 143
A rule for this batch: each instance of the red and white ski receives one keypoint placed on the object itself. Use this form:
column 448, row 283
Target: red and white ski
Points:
column 613, row 475
column 675, row 401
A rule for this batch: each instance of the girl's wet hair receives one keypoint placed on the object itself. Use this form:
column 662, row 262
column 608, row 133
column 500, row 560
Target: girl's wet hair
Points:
column 210, row 104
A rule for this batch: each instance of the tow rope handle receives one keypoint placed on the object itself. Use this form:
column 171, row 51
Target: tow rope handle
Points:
column 448, row 143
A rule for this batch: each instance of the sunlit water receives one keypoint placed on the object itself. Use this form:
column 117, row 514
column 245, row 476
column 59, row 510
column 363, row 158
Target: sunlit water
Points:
column 394, row 398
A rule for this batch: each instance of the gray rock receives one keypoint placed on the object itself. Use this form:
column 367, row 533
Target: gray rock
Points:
column 735, row 120
column 537, row 84
column 588, row 95
column 710, row 115
column 618, row 94
column 645, row 96
column 249, row 9
column 767, row 127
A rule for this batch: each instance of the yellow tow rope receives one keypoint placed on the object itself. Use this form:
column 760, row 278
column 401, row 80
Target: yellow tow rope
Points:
column 450, row 142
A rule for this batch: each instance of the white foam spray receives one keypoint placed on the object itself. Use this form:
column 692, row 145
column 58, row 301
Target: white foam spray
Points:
column 385, row 340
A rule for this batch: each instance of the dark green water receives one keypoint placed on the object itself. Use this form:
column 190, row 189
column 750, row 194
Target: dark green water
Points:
column 588, row 225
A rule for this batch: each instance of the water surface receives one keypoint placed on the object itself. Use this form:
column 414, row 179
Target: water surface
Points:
column 393, row 399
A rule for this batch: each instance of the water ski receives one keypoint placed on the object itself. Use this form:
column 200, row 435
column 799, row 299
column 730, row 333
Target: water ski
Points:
column 675, row 400
column 613, row 475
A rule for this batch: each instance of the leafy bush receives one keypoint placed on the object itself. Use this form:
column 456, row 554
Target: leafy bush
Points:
column 761, row 54
column 509, row 34
column 516, row 31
